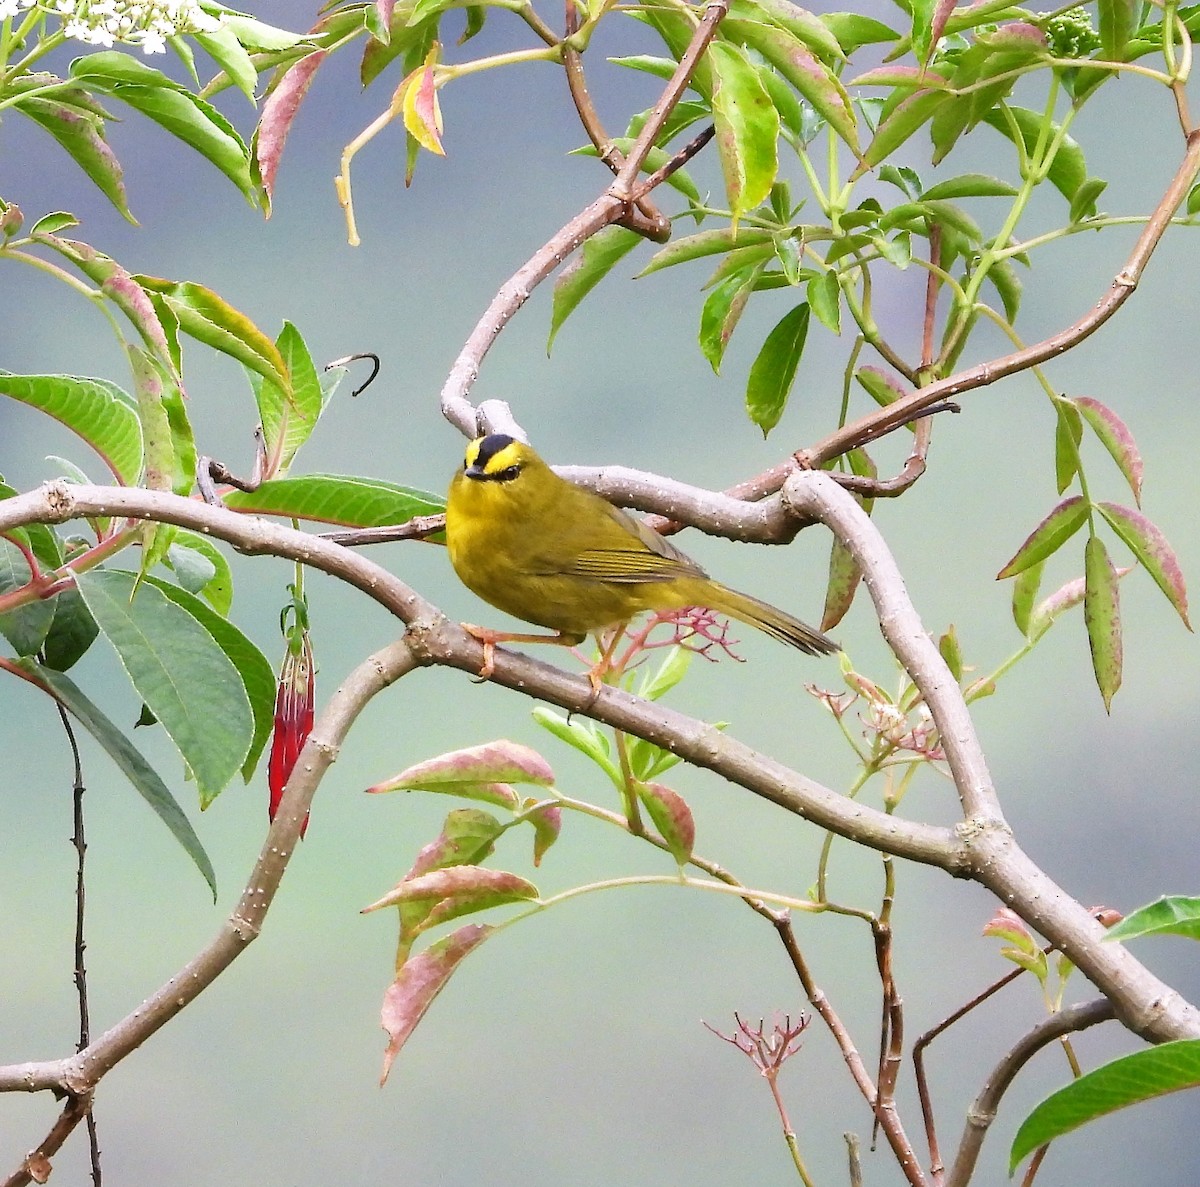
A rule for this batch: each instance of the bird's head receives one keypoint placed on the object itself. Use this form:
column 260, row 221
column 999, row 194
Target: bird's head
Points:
column 497, row 458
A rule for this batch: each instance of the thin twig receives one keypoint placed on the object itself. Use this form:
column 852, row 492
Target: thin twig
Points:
column 983, row 1110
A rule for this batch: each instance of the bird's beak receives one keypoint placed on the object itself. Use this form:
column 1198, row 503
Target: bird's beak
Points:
column 473, row 471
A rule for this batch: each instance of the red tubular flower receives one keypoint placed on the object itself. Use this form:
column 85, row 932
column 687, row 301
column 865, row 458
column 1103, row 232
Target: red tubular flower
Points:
column 293, row 717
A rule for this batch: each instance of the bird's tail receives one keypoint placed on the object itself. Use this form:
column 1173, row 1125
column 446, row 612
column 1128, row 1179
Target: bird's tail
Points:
column 771, row 621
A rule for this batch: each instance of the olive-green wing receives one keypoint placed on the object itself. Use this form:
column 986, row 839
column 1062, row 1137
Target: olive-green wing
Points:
column 634, row 553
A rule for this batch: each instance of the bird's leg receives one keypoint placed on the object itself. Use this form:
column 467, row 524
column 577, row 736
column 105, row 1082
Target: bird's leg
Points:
column 489, row 638
column 603, row 665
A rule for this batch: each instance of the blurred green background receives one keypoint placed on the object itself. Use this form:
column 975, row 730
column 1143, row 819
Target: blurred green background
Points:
column 570, row 1050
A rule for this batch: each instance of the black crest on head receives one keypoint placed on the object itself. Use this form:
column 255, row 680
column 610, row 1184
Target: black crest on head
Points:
column 490, row 446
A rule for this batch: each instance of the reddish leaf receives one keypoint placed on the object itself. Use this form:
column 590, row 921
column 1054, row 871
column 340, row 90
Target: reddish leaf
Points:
column 279, row 110
column 469, row 884
column 466, row 838
column 490, row 763
column 547, row 824
column 941, row 14
column 1116, row 438
column 1025, row 590
column 672, row 817
column 1102, row 615
column 416, row 985
column 1150, row 546
column 416, row 100
column 1048, row 537
column 844, row 579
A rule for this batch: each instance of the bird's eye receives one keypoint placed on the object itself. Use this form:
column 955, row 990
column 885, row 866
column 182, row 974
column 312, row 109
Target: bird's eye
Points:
column 507, row 474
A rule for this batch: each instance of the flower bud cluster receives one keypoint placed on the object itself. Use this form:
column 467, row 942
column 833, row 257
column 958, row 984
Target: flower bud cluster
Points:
column 144, row 23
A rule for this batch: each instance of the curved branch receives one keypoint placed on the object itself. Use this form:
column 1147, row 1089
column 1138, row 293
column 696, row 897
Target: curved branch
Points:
column 982, row 1112
column 78, row 1074
column 1144, row 1003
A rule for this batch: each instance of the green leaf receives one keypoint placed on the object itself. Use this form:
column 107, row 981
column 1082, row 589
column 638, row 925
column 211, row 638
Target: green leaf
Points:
column 668, row 674
column 72, row 632
column 853, row 30
column 218, row 589
column 655, row 159
column 288, row 417
column 331, row 498
column 81, row 135
column 721, row 312
column 205, row 316
column 1117, row 18
column 1068, row 170
column 905, row 119
column 1049, row 536
column 254, row 669
column 747, row 129
column 882, row 387
column 25, row 627
column 600, row 254
column 1129, row 1080
column 139, row 772
column 179, row 670
column 707, row 243
column 1083, row 204
column 1171, row 915
column 772, row 372
column 969, row 185
column 48, row 224
column 94, row 409
column 1003, row 278
column 825, row 299
column 811, row 78
column 184, row 115
column 1024, row 596
column 1156, row 556
column 1068, row 432
column 228, row 52
column 1115, row 436
column 502, row 761
column 581, row 737
column 1102, row 616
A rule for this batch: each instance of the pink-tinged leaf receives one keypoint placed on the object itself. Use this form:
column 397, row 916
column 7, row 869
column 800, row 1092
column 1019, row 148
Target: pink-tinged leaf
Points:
column 475, row 885
column 420, row 980
column 899, row 76
column 501, row 761
column 385, row 8
column 1150, row 546
column 1049, row 536
column 1008, row 925
column 547, row 825
column 1015, row 35
column 278, row 113
column 883, row 387
column 416, row 100
column 1062, row 599
column 500, row 795
column 941, row 14
column 844, row 579
column 1025, row 591
column 467, row 837
column 1102, row 616
column 1116, row 438
column 747, row 129
column 672, row 817
column 804, row 70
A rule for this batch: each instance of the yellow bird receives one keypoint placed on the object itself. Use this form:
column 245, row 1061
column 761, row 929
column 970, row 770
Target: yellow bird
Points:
column 545, row 550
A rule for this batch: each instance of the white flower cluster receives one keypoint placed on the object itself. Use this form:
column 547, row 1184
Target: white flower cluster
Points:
column 147, row 23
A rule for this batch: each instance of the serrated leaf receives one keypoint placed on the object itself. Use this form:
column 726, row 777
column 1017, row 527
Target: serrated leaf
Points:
column 1102, row 616
column 774, row 369
column 672, row 817
column 599, row 255
column 1049, row 536
column 1129, row 1080
column 94, row 409
column 331, row 498
column 1149, row 545
column 179, row 670
column 747, row 129
column 421, row 979
column 135, row 768
column 1115, row 436
column 1171, row 915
